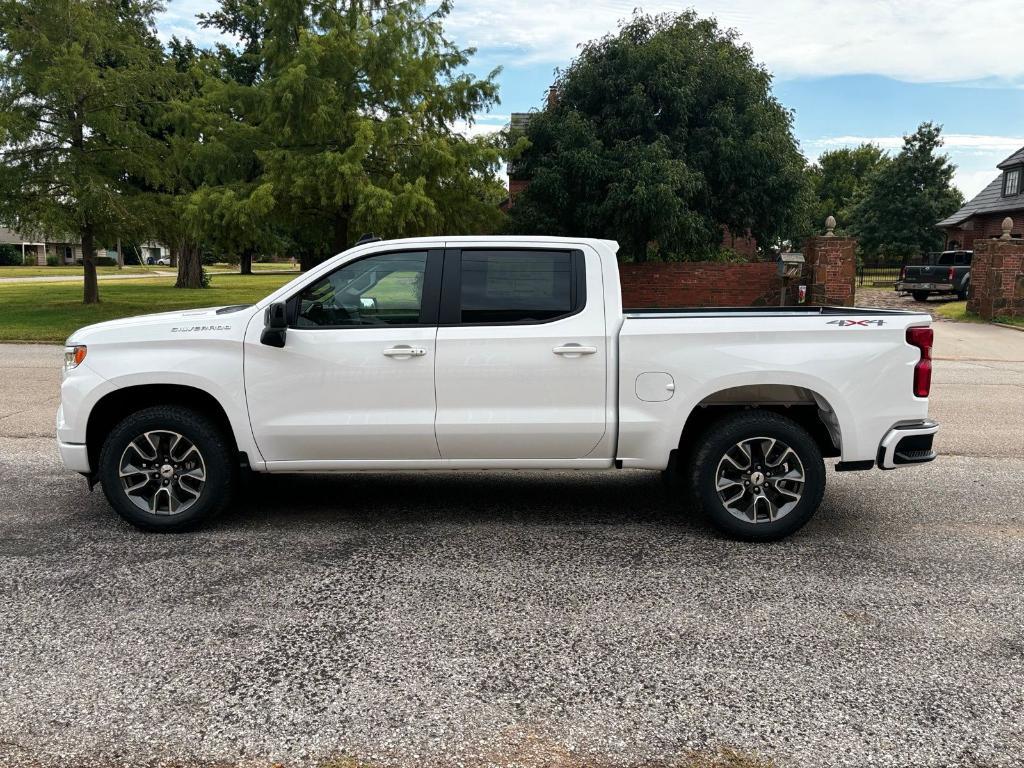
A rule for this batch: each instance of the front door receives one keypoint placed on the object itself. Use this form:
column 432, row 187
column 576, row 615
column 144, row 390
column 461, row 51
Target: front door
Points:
column 521, row 355
column 355, row 379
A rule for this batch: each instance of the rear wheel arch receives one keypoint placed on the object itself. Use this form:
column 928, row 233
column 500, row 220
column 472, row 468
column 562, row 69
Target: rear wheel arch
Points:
column 805, row 406
column 115, row 406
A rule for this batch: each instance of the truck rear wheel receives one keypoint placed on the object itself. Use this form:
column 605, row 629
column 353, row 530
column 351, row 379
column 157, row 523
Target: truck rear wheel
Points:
column 920, row 295
column 757, row 475
column 167, row 468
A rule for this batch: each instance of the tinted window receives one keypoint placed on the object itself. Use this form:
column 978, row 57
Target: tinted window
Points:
column 945, row 259
column 379, row 290
column 515, row 286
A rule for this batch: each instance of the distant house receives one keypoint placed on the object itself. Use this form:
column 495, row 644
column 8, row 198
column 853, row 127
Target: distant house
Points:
column 36, row 249
column 982, row 217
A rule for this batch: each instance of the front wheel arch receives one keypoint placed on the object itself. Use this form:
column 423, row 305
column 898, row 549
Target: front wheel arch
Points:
column 113, row 407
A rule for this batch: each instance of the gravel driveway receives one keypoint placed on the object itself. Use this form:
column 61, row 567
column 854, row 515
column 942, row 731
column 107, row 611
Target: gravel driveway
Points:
column 536, row 619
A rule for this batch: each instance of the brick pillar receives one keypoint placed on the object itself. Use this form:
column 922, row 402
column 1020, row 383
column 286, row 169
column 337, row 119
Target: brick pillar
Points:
column 830, row 270
column 997, row 278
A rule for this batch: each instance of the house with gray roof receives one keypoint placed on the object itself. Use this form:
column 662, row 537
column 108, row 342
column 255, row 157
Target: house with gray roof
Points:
column 983, row 215
column 39, row 250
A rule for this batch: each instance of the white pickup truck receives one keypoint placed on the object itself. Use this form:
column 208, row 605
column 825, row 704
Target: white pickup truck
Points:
column 492, row 353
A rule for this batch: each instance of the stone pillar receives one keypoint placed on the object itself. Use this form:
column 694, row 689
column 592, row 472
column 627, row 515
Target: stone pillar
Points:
column 997, row 276
column 830, row 268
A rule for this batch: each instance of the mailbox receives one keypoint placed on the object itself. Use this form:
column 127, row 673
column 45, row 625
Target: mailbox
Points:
column 790, row 265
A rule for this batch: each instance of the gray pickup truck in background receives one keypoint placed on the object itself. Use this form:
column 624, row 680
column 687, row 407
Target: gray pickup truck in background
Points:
column 946, row 272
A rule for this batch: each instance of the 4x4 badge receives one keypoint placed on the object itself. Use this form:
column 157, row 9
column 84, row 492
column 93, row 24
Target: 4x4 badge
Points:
column 845, row 323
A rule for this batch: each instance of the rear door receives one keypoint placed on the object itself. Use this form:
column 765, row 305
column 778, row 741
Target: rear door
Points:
column 521, row 354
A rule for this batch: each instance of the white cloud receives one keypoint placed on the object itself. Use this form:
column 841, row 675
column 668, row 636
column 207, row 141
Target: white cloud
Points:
column 913, row 40
column 951, row 141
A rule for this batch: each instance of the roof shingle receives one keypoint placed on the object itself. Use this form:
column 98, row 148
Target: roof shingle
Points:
column 990, row 199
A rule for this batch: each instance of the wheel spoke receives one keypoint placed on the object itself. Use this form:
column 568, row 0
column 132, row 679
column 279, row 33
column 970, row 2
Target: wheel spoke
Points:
column 750, row 484
column 172, row 477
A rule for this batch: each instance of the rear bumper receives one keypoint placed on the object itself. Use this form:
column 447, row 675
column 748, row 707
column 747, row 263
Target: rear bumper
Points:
column 907, row 444
column 930, row 287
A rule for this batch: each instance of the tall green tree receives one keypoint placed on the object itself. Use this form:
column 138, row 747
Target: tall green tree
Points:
column 665, row 135
column 355, row 105
column 837, row 177
column 895, row 211
column 78, row 79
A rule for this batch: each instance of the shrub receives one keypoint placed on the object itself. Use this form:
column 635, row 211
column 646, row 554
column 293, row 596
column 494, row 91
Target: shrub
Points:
column 10, row 255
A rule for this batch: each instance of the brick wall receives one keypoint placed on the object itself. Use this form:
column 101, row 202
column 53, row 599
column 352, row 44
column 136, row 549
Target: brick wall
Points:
column 983, row 227
column 830, row 270
column 997, row 279
column 829, row 274
column 699, row 284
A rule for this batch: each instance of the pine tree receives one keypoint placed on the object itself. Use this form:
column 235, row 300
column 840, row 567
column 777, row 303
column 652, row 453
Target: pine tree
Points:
column 353, row 106
column 77, row 81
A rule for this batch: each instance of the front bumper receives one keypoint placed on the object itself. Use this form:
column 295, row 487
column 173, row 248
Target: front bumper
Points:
column 907, row 444
column 75, row 457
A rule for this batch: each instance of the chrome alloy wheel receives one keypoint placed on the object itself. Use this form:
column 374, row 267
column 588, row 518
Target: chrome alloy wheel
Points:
column 162, row 472
column 760, row 480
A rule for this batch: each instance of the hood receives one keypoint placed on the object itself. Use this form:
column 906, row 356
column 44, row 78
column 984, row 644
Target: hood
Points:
column 186, row 322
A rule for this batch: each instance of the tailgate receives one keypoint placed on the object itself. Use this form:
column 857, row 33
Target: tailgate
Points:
column 927, row 274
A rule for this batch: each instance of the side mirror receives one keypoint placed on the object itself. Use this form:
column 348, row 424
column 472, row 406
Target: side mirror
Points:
column 275, row 325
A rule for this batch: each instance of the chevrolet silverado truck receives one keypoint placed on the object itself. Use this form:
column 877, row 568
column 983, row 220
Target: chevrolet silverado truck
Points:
column 947, row 273
column 470, row 353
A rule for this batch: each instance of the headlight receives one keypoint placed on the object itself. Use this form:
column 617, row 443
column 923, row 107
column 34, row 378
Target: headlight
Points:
column 74, row 355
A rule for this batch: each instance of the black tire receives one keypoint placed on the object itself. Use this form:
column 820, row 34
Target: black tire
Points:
column 920, row 295
column 217, row 459
column 730, row 431
column 963, row 292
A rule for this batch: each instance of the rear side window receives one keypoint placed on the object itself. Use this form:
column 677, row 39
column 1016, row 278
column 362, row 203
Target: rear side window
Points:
column 516, row 286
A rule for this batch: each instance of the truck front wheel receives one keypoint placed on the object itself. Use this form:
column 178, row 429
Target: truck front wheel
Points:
column 167, row 468
column 757, row 475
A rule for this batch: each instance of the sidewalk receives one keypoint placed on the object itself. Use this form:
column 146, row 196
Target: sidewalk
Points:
column 79, row 278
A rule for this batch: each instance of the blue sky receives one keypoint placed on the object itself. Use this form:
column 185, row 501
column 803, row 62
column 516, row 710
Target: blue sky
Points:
column 851, row 71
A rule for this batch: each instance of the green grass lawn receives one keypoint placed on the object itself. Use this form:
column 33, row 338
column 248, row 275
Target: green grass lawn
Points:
column 69, row 271
column 957, row 310
column 49, row 312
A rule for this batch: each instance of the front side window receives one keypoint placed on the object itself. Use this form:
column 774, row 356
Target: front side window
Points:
column 1012, row 184
column 515, row 286
column 386, row 289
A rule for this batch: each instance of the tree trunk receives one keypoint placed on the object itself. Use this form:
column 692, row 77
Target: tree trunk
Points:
column 339, row 237
column 173, row 251
column 120, row 255
column 339, row 242
column 90, row 286
column 190, row 266
column 308, row 260
column 245, row 262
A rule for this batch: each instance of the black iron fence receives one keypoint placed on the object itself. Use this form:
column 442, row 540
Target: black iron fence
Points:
column 877, row 273
column 884, row 272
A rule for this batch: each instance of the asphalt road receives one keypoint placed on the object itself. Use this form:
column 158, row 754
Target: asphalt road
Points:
column 541, row 619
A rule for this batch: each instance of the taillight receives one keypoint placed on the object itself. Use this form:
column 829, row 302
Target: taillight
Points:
column 950, row 275
column 903, row 274
column 922, row 339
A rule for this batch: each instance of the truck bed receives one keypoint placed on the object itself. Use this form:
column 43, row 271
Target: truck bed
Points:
column 795, row 311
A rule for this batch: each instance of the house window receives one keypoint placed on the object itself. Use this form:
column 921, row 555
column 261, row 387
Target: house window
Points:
column 1011, row 182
